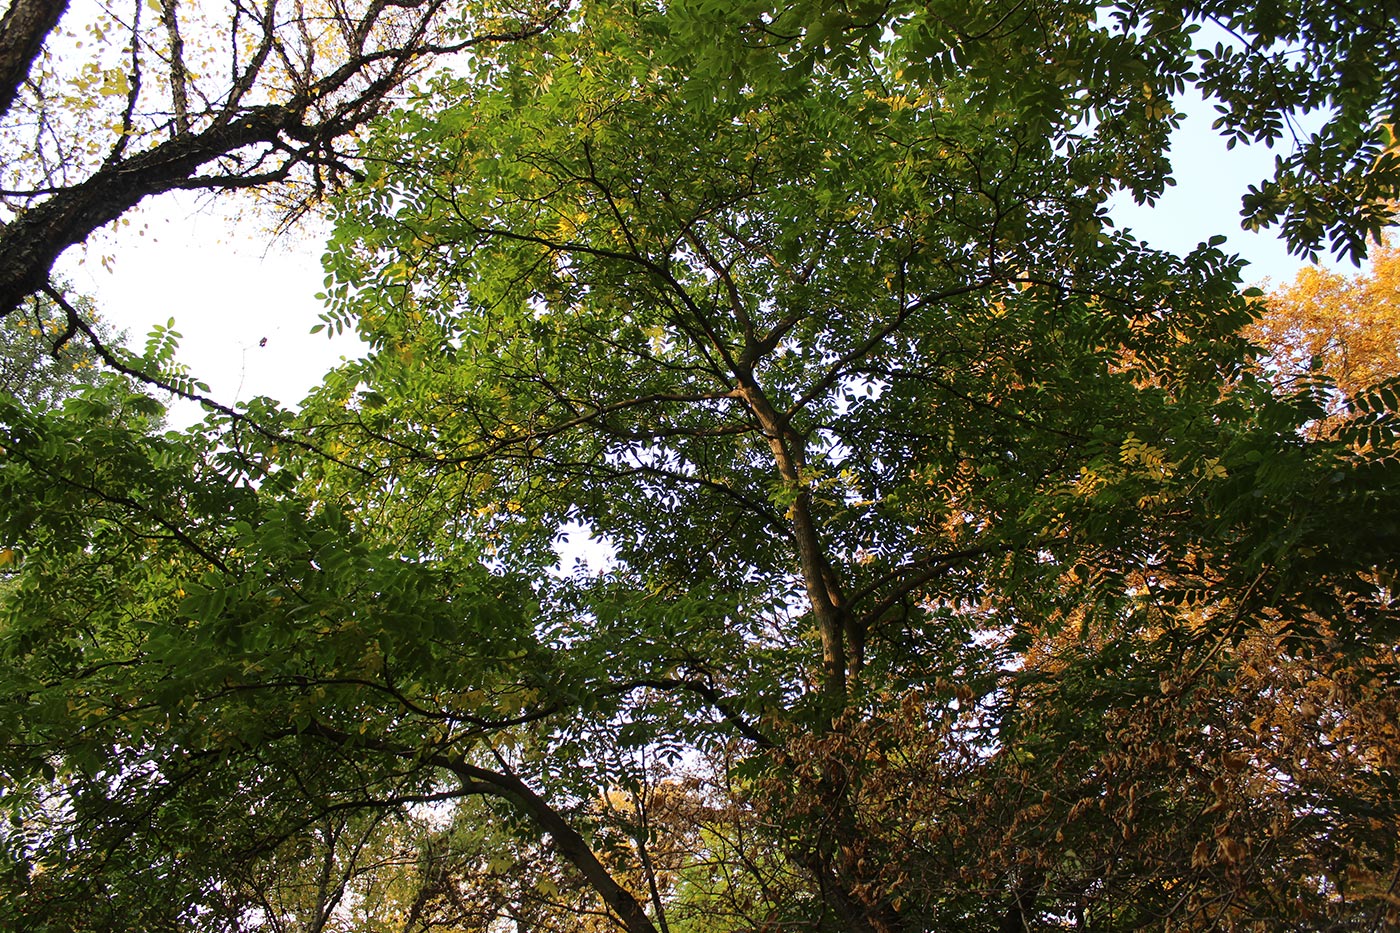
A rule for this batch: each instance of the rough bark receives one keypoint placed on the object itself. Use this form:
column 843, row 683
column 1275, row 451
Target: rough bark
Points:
column 230, row 144
column 33, row 241
column 22, row 32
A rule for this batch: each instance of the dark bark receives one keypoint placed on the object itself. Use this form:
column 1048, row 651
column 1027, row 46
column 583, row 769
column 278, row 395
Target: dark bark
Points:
column 22, row 32
column 33, row 241
column 1018, row 912
column 259, row 145
column 571, row 845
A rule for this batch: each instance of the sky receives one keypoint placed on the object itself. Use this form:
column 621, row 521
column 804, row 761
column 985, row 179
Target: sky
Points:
column 244, row 303
column 1210, row 180
column 229, row 289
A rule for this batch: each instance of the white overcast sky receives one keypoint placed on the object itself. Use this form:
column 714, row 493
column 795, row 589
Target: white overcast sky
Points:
column 228, row 289
column 229, row 286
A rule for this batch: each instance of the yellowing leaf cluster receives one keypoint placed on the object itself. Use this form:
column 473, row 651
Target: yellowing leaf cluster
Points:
column 1347, row 328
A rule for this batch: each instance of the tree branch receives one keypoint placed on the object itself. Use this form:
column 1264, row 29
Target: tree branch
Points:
column 27, row 23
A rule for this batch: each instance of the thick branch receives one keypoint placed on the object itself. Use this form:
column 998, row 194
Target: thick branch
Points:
column 22, row 32
column 788, row 456
column 31, row 243
column 179, row 75
column 299, row 131
column 570, row 844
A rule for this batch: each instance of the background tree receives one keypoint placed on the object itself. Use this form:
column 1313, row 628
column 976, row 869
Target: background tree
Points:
column 39, row 363
column 1346, row 328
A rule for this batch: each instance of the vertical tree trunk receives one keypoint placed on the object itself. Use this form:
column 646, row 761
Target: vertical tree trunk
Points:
column 789, row 458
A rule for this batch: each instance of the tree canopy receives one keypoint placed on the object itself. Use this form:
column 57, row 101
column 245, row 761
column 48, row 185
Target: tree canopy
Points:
column 960, row 563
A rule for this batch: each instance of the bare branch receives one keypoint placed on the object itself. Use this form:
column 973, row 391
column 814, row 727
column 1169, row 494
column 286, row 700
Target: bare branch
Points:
column 179, row 75
column 290, row 111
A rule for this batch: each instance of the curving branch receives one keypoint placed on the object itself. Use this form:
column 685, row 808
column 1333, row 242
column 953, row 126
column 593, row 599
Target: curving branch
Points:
column 508, row 787
column 241, row 140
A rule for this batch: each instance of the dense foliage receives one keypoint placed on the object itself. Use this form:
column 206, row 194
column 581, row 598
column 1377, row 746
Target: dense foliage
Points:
column 40, row 362
column 958, row 562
